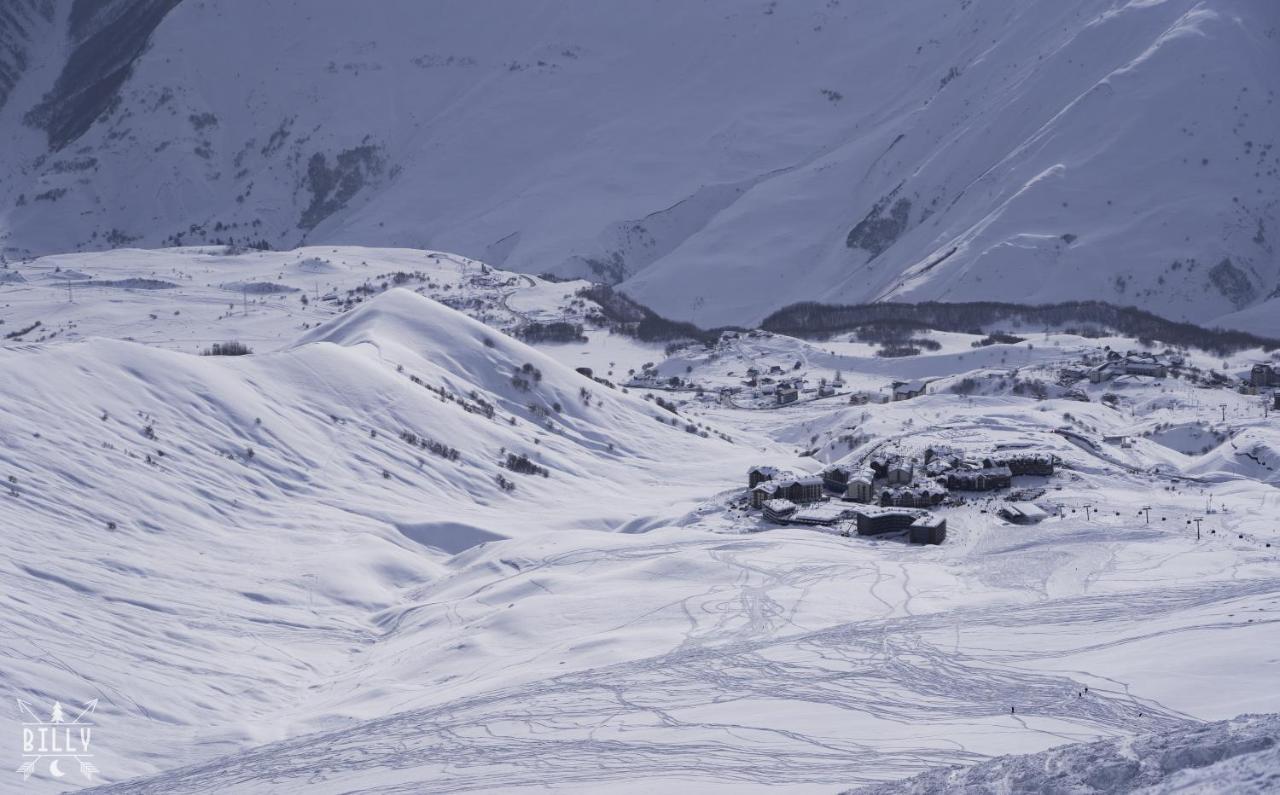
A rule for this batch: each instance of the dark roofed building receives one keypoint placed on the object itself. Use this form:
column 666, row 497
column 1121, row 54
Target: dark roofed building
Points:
column 805, row 489
column 920, row 495
column 1025, row 463
column 873, row 522
column 1264, row 375
column 796, row 489
column 836, row 477
column 928, row 529
column 778, row 510
column 985, row 479
column 758, row 474
column 905, row 390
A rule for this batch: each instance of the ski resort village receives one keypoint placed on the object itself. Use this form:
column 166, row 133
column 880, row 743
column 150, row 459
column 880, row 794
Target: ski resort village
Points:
column 720, row 397
column 409, row 506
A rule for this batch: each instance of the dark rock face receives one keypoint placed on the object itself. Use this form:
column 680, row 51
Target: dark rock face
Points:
column 1232, row 283
column 882, row 226
column 332, row 186
column 107, row 37
column 20, row 21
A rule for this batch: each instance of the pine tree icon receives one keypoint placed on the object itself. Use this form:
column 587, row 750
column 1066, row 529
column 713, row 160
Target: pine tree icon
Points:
column 57, row 716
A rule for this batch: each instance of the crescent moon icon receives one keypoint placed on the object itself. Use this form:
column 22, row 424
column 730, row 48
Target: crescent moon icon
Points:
column 53, row 769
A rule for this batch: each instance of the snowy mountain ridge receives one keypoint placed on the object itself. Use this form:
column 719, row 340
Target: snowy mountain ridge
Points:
column 719, row 160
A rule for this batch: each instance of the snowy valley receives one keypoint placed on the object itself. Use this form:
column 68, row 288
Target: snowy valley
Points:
column 709, row 396
column 395, row 548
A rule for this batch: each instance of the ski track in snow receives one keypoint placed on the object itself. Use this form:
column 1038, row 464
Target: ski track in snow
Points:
column 580, row 727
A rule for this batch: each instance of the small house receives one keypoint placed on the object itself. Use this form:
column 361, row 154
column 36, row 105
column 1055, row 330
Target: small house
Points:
column 905, row 390
column 1023, row 513
column 786, row 393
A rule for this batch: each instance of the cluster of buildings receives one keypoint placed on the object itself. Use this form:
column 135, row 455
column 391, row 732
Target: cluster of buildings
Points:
column 768, row 483
column 1131, row 363
column 802, row 499
column 783, row 390
column 786, row 389
column 898, row 481
column 890, row 493
column 1264, row 376
column 922, row 527
column 995, row 471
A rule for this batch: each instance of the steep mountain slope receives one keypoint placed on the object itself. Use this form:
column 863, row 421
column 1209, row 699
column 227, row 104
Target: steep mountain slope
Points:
column 21, row 24
column 720, row 159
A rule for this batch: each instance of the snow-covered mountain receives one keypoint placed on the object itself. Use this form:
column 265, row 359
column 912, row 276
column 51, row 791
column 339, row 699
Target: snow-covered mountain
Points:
column 720, row 159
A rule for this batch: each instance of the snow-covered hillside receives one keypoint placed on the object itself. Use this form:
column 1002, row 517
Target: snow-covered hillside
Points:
column 203, row 542
column 1240, row 756
column 396, row 549
column 719, row 159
